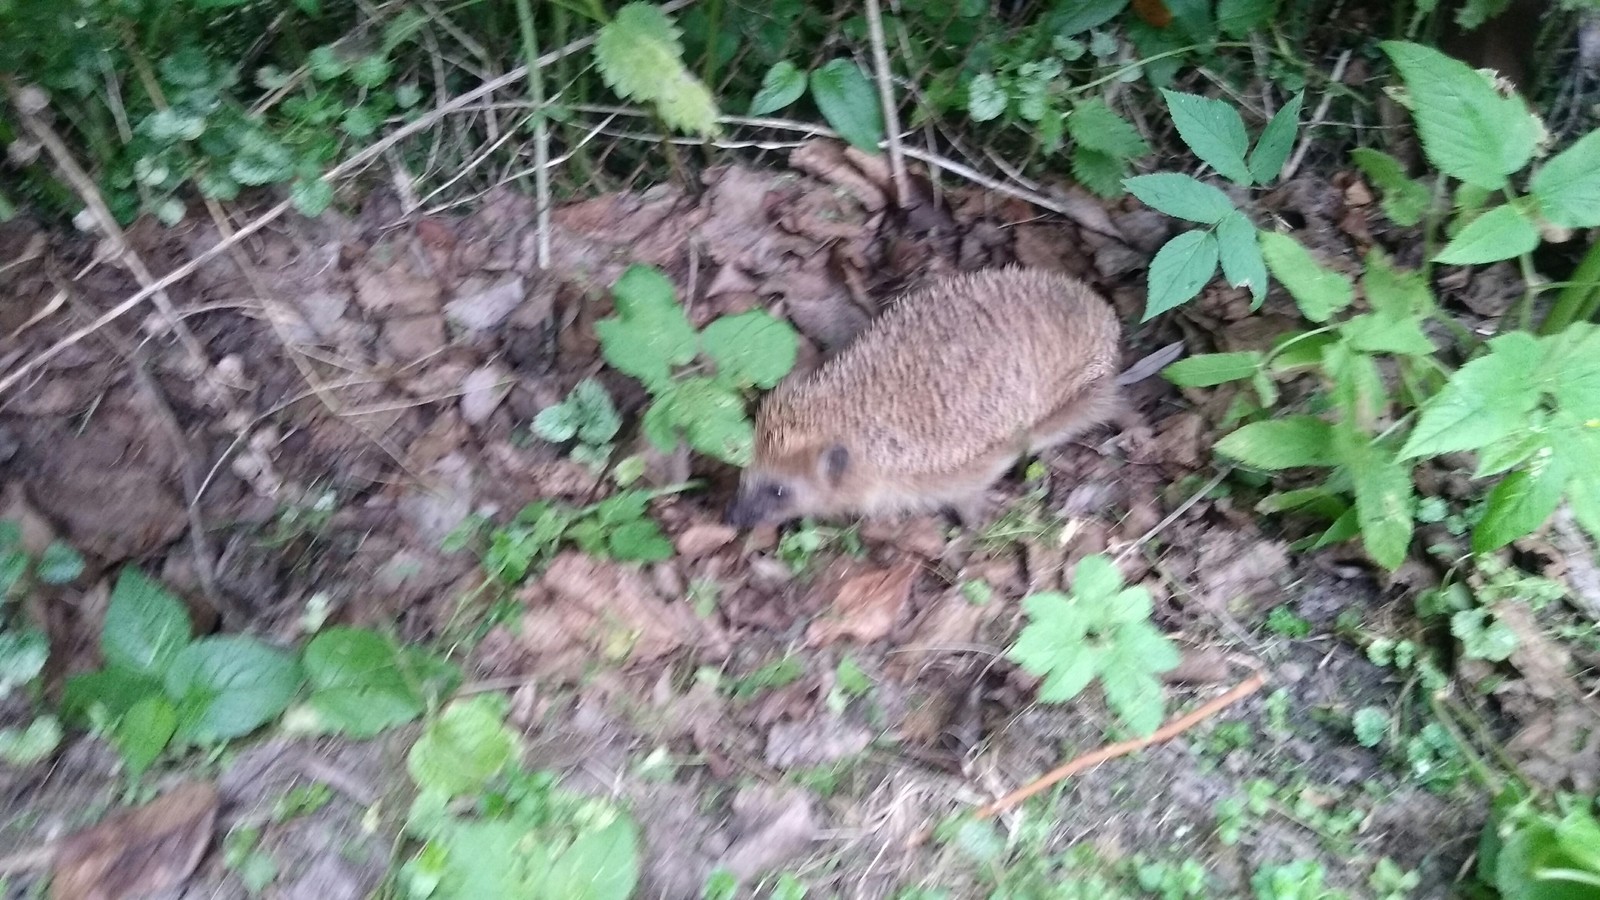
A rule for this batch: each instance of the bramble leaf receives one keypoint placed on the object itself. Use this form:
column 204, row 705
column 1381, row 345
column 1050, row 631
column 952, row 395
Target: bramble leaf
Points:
column 1213, row 368
column 1182, row 197
column 1405, row 200
column 1288, row 443
column 1568, row 186
column 1180, row 269
column 1501, row 233
column 1484, row 401
column 1240, row 253
column 1277, row 139
column 1213, row 131
column 1093, row 124
column 1318, row 291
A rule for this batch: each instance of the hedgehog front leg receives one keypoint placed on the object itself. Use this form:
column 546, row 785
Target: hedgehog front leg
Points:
column 1099, row 402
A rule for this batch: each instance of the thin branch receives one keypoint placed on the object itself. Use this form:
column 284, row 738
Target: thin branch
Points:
column 1334, row 77
column 541, row 136
column 891, row 113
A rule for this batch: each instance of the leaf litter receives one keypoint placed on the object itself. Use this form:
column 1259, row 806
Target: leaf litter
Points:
column 399, row 369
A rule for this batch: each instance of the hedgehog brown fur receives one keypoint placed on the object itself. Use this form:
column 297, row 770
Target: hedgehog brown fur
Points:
column 935, row 400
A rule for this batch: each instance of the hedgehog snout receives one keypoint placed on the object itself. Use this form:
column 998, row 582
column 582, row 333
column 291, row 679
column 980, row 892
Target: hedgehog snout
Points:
column 758, row 502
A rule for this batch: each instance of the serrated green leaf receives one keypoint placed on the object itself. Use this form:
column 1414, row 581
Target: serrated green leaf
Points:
column 1520, row 503
column 1405, row 200
column 1237, row 18
column 1100, row 173
column 1468, row 130
column 1568, row 186
column 849, row 104
column 1213, row 131
column 1484, row 401
column 311, row 196
column 713, row 420
column 641, row 290
column 1095, row 578
column 1180, row 269
column 226, row 687
column 1384, row 496
column 1394, row 293
column 145, row 626
column 1501, row 233
column 1318, row 291
column 558, row 423
column 1373, row 333
column 986, row 99
column 783, row 84
column 639, row 541
column 1358, row 387
column 1482, row 636
column 684, row 103
column 1240, row 254
column 462, row 749
column 1277, row 139
column 637, row 50
column 169, row 125
column 1213, row 368
column 1093, row 124
column 1182, row 197
column 751, row 349
column 22, row 657
column 1289, row 443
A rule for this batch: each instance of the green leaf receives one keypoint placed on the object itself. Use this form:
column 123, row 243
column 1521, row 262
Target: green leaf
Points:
column 686, row 104
column 30, row 745
column 357, row 685
column 601, row 864
column 848, row 102
column 1095, row 578
column 781, row 86
column 1213, row 368
column 713, row 420
column 1358, row 387
column 1277, row 139
column 1568, row 186
column 1093, row 124
column 1180, row 196
column 1393, row 293
column 1484, row 401
column 751, row 349
column 639, row 541
column 1371, row 724
column 1237, row 18
column 106, row 695
column 1180, row 269
column 1468, row 130
column 640, row 57
column 1482, row 636
column 145, row 626
column 465, row 747
column 23, row 653
column 58, row 564
column 1050, row 646
column 1373, row 333
column 1520, row 503
column 311, row 196
column 1384, row 496
column 1068, row 19
column 144, row 731
column 226, row 687
column 986, row 99
column 642, row 290
column 1501, row 233
column 1213, row 131
column 1405, row 200
column 1289, row 443
column 1240, row 253
column 647, row 345
column 1319, row 292
column 1101, row 173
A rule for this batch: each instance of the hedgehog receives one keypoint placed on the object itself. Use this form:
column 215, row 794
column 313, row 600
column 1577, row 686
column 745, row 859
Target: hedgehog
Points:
column 938, row 397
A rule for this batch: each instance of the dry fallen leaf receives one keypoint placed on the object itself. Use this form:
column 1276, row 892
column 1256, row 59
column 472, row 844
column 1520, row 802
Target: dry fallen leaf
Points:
column 139, row 851
column 867, row 606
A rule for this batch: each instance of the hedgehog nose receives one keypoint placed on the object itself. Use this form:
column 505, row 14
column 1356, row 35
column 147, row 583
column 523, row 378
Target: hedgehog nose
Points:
column 741, row 513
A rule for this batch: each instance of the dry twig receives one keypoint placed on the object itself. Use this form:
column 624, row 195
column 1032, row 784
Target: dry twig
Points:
column 891, row 113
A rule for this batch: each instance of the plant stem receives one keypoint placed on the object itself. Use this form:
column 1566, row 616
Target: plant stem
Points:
column 541, row 133
column 1580, row 298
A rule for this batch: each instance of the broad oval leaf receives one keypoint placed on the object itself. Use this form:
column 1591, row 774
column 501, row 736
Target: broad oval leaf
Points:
column 1213, row 368
column 1288, row 443
column 226, row 687
column 986, row 100
column 1484, row 401
column 145, row 626
column 463, row 748
column 1568, row 186
column 1501, row 233
column 1182, row 197
column 1240, row 252
column 1318, row 291
column 782, row 85
column 1520, row 503
column 751, row 349
column 1213, row 131
column 1469, row 131
column 848, row 102
column 1181, row 268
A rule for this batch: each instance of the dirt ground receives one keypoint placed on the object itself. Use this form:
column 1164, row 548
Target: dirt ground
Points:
column 337, row 396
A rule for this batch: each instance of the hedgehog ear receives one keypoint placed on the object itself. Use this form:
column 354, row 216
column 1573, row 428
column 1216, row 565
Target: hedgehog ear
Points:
column 835, row 460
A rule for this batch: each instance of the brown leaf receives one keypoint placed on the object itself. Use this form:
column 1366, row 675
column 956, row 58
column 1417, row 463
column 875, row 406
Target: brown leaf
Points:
column 867, row 606
column 140, row 851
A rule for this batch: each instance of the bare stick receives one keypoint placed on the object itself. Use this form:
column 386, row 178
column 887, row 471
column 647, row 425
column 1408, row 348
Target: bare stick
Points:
column 891, row 113
column 1316, row 118
column 1123, row 748
column 261, row 221
column 541, row 136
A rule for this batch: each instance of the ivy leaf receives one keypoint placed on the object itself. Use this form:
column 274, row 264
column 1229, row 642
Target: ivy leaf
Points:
column 1181, row 196
column 1093, row 124
column 1213, row 131
column 751, row 349
column 782, row 85
column 1501, row 233
column 1291, row 442
column 1568, row 186
column 1405, row 200
column 1213, row 368
column 1468, row 130
column 1180, row 269
column 1318, row 291
column 1240, row 252
column 986, row 99
column 1277, row 139
column 848, row 102
column 1484, row 401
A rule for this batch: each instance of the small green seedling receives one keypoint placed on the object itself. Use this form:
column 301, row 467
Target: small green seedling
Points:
column 651, row 339
column 618, row 527
column 1101, row 630
column 587, row 417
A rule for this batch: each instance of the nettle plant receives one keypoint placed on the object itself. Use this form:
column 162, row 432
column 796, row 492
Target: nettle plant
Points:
column 1526, row 404
column 698, row 381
